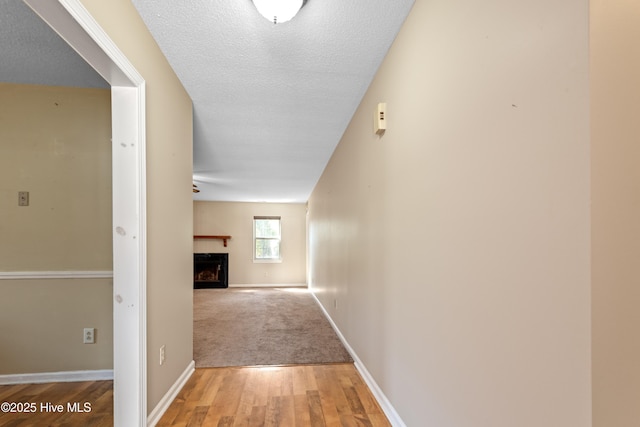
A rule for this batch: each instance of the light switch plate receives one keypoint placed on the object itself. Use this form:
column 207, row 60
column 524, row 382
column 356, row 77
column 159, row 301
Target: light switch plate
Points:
column 23, row 198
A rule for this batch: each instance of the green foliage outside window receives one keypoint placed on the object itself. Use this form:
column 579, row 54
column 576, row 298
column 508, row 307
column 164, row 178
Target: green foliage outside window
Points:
column 267, row 237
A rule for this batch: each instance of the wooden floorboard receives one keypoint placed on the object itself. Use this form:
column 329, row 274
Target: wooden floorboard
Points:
column 34, row 404
column 296, row 396
column 279, row 396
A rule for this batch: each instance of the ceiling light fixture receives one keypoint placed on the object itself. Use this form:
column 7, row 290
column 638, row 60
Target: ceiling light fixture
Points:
column 279, row 11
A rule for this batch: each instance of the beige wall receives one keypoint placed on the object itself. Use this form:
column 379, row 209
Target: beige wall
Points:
column 169, row 198
column 55, row 144
column 236, row 220
column 615, row 131
column 457, row 246
column 42, row 321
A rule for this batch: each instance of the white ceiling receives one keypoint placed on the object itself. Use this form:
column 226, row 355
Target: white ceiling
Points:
column 271, row 102
column 31, row 53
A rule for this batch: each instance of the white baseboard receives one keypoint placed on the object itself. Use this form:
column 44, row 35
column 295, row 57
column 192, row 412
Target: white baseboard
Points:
column 170, row 395
column 269, row 285
column 57, row 377
column 384, row 403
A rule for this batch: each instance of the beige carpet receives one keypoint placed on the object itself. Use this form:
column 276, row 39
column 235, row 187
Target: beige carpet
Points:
column 262, row 326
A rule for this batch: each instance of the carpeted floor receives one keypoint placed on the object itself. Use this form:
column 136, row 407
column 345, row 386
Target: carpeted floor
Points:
column 262, row 326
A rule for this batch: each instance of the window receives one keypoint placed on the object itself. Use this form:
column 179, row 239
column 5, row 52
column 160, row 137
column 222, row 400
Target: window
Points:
column 266, row 238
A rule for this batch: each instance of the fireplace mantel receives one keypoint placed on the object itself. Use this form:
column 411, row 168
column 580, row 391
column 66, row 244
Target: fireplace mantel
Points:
column 223, row 238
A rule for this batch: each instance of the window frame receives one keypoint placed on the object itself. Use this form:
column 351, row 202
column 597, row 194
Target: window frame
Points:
column 279, row 239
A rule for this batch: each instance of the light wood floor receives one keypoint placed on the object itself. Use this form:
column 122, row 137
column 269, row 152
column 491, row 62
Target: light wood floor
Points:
column 296, row 396
column 99, row 394
column 300, row 396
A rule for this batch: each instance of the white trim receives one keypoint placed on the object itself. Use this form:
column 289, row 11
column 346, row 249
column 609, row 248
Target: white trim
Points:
column 267, row 261
column 269, row 285
column 129, row 257
column 125, row 74
column 57, row 377
column 170, row 395
column 19, row 275
column 384, row 403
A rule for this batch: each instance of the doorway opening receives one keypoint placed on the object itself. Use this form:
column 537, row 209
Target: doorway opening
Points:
column 77, row 27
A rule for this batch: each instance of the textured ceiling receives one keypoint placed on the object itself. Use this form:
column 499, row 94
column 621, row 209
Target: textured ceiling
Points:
column 271, row 102
column 32, row 53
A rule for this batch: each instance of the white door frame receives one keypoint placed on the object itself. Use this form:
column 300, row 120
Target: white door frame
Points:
column 76, row 26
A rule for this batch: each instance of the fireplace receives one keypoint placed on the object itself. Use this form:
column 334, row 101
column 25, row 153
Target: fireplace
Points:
column 210, row 271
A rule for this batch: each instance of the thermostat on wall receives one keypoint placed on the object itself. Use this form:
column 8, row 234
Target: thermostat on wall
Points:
column 380, row 122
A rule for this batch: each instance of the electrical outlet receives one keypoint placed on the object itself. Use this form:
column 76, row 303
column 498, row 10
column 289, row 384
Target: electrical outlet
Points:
column 89, row 336
column 162, row 355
